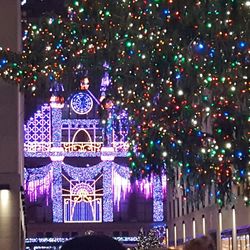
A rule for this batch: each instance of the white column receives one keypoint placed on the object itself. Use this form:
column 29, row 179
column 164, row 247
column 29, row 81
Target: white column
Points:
column 167, row 237
column 194, row 229
column 203, row 225
column 219, row 230
column 175, row 236
column 184, row 231
column 234, row 231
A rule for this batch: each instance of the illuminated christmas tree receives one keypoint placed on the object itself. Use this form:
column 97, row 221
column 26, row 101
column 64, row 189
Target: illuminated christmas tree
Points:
column 179, row 70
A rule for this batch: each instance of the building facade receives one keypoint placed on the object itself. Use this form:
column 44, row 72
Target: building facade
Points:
column 76, row 171
column 187, row 218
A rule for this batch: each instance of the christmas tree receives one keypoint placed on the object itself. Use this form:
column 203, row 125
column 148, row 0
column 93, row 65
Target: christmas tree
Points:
column 179, row 70
column 149, row 241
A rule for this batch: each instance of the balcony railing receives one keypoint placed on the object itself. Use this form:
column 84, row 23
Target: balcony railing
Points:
column 35, row 147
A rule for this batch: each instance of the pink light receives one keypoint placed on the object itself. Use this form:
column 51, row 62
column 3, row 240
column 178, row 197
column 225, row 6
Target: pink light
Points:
column 146, row 187
column 121, row 187
column 164, row 184
column 40, row 187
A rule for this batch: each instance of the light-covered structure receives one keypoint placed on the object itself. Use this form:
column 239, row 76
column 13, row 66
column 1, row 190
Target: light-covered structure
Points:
column 76, row 168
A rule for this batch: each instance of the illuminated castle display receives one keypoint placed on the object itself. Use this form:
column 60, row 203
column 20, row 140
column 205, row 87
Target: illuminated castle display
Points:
column 81, row 180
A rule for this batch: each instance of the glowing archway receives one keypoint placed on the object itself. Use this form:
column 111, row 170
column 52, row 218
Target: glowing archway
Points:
column 85, row 131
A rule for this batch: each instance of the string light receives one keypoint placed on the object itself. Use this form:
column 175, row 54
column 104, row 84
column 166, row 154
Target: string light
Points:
column 156, row 49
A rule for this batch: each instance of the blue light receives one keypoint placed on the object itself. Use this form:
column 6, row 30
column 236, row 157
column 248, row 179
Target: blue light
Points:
column 226, row 114
column 178, row 76
column 242, row 44
column 187, row 190
column 199, row 133
column 108, row 202
column 157, row 200
column 3, row 62
column 188, row 170
column 173, row 145
column 201, row 46
column 218, row 193
column 242, row 172
column 166, row 12
column 59, row 45
column 239, row 154
column 211, row 54
column 131, row 52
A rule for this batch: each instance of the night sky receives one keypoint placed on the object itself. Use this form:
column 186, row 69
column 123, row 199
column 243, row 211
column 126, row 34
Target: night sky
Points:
column 35, row 8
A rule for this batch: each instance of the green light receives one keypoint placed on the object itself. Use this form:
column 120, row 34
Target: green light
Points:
column 129, row 154
column 219, row 201
column 209, row 25
column 128, row 44
column 209, row 79
column 223, row 79
column 205, row 98
column 107, row 13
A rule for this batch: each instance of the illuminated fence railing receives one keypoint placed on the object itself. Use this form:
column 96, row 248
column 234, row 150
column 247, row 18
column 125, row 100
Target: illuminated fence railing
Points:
column 55, row 243
column 82, row 146
column 93, row 146
column 74, row 146
column 37, row 146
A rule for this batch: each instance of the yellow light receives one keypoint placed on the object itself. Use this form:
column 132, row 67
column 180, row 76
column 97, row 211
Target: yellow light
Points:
column 4, row 198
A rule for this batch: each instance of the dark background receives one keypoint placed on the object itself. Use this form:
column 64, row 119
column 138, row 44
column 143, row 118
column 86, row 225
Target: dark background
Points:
column 35, row 8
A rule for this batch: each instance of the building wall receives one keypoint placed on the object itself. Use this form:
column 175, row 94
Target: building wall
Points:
column 210, row 212
column 11, row 128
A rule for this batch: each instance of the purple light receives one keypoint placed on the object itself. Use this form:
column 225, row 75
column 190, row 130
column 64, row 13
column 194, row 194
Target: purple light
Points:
column 38, row 187
column 121, row 187
column 146, row 187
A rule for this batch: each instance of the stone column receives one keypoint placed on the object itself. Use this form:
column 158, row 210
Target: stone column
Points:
column 12, row 229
